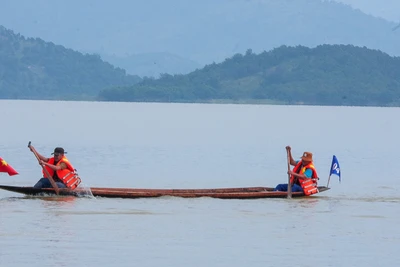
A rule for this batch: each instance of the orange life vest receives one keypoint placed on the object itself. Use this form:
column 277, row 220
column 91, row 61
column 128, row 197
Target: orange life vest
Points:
column 309, row 185
column 68, row 176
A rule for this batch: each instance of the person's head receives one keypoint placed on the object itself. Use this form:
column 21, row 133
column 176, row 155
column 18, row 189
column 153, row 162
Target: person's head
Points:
column 58, row 153
column 306, row 158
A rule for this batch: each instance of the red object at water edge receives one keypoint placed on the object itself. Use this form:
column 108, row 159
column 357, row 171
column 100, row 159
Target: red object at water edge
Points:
column 5, row 167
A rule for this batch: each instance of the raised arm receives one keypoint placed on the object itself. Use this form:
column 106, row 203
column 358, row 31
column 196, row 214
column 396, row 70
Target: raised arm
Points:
column 41, row 157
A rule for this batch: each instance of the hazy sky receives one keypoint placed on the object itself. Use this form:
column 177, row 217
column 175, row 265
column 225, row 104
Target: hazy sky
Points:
column 387, row 9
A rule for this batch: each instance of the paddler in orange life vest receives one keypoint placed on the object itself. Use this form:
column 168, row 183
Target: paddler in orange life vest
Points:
column 303, row 177
column 60, row 169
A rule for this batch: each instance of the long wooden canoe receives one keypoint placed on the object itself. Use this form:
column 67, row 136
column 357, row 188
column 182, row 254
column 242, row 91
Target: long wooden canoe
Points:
column 224, row 193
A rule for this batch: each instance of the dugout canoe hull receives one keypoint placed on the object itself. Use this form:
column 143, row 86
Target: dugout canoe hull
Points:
column 222, row 193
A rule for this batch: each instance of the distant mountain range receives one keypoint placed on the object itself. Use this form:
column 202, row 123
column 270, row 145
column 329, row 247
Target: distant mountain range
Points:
column 152, row 37
column 325, row 75
column 34, row 69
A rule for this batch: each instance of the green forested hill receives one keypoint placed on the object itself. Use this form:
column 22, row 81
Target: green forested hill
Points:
column 34, row 69
column 325, row 75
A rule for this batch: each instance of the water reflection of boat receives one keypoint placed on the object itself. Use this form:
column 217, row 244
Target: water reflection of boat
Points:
column 224, row 193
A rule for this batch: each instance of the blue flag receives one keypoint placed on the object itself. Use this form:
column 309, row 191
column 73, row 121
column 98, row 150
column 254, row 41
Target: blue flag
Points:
column 335, row 169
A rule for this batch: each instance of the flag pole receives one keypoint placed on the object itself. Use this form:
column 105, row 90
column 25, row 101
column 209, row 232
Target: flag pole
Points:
column 327, row 185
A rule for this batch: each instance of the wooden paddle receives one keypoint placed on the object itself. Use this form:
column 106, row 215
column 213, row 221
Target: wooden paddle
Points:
column 52, row 182
column 289, row 188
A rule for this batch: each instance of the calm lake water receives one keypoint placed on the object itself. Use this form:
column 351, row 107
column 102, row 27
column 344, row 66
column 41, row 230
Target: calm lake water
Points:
column 356, row 223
